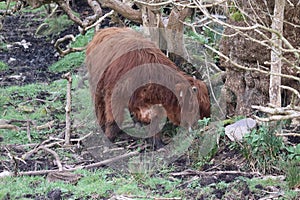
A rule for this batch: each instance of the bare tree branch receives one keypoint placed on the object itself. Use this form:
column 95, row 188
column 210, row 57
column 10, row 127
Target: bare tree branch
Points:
column 249, row 68
column 277, row 114
column 256, row 27
column 96, row 24
column 68, row 50
column 123, row 9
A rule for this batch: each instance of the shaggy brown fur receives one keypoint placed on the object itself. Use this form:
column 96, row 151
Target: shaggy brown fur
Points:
column 128, row 71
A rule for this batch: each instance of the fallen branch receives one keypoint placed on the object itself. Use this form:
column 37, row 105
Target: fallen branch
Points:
column 45, row 126
column 15, row 160
column 159, row 4
column 9, row 126
column 57, row 141
column 90, row 166
column 296, row 92
column 65, row 6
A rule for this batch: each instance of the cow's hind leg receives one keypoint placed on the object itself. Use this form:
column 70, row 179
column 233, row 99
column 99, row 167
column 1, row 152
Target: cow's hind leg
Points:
column 112, row 130
column 156, row 141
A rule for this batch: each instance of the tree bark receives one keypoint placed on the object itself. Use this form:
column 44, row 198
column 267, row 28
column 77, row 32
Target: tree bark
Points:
column 174, row 35
column 276, row 53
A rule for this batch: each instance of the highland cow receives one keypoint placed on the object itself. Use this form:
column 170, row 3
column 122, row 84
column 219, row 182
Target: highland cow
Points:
column 128, row 71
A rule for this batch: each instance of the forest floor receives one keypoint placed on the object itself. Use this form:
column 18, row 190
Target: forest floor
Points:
column 226, row 175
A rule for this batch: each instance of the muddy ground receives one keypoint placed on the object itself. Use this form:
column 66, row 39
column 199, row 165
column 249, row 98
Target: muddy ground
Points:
column 30, row 65
column 27, row 65
column 29, row 55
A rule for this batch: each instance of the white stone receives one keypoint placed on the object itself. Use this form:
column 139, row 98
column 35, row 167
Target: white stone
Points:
column 239, row 129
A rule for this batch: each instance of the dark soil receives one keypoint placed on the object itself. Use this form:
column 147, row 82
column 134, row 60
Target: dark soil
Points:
column 26, row 65
column 30, row 65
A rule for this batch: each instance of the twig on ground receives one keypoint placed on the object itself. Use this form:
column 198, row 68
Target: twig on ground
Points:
column 131, row 197
column 82, row 138
column 9, row 126
column 39, row 146
column 58, row 162
column 15, row 159
column 21, row 146
column 194, row 172
column 68, row 108
column 275, row 195
column 28, row 131
column 48, row 125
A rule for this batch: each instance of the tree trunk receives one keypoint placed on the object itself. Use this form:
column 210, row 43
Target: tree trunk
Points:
column 276, row 53
column 175, row 30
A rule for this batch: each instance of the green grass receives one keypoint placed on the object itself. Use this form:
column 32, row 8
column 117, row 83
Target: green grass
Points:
column 69, row 62
column 91, row 183
column 99, row 182
column 3, row 47
column 3, row 5
column 3, row 66
column 40, row 103
column 25, row 101
column 83, row 109
column 54, row 25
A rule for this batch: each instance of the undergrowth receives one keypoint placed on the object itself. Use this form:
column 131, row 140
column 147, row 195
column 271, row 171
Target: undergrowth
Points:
column 267, row 153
